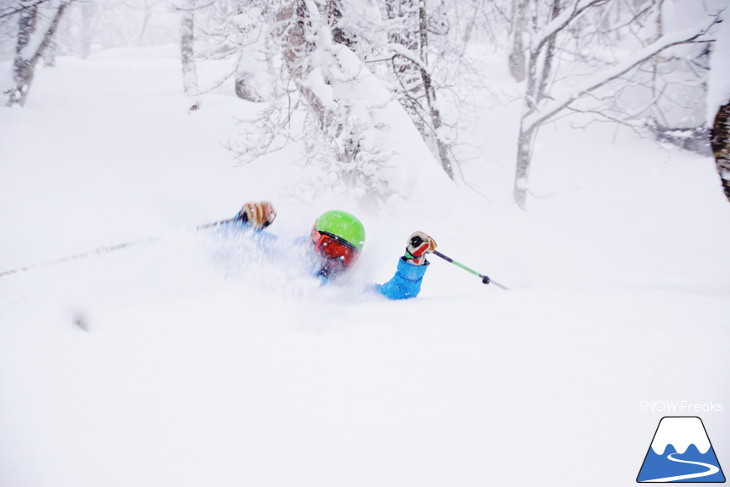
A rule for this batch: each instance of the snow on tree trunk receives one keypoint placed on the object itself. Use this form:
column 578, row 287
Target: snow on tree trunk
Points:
column 721, row 146
column 517, row 55
column 524, row 158
column 49, row 55
column 547, row 63
column 187, row 48
column 34, row 37
column 86, row 34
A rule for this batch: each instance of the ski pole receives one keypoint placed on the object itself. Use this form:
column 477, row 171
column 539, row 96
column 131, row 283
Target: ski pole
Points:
column 215, row 224
column 485, row 279
column 105, row 250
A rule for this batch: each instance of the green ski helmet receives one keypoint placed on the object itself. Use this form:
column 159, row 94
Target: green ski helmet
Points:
column 339, row 237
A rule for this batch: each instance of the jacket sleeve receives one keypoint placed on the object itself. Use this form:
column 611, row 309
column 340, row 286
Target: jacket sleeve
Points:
column 406, row 283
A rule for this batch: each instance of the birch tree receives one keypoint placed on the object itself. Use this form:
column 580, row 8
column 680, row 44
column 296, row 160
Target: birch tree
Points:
column 38, row 22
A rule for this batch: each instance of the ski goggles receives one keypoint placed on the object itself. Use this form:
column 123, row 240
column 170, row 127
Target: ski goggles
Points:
column 338, row 252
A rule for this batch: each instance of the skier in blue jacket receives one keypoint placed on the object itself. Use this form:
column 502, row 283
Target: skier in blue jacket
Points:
column 337, row 239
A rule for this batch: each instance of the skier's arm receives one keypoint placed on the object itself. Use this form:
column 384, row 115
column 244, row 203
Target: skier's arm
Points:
column 253, row 218
column 406, row 283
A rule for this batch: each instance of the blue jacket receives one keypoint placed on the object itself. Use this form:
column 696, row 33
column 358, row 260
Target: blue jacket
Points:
column 405, row 284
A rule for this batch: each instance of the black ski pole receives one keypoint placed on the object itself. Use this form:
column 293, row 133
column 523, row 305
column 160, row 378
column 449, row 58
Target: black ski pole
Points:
column 485, row 279
column 105, row 250
column 215, row 224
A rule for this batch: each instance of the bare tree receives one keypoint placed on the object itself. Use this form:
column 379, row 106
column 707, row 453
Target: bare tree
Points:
column 540, row 106
column 37, row 24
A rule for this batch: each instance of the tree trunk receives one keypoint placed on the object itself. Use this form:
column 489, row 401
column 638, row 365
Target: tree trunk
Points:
column 721, row 146
column 524, row 158
column 187, row 48
column 49, row 55
column 441, row 147
column 527, row 133
column 517, row 56
column 86, row 35
column 547, row 64
column 30, row 47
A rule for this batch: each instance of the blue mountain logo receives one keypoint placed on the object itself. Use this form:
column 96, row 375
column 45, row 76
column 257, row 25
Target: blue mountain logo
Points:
column 681, row 452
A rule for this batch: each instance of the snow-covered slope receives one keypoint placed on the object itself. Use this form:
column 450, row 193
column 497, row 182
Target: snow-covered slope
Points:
column 188, row 362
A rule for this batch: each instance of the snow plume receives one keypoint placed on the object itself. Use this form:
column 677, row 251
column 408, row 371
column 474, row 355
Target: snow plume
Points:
column 262, row 263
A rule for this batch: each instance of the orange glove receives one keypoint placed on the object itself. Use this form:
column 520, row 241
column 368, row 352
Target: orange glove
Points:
column 419, row 244
column 258, row 215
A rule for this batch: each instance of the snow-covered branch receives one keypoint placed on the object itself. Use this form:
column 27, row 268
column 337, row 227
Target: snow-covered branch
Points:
column 549, row 109
column 561, row 22
column 401, row 50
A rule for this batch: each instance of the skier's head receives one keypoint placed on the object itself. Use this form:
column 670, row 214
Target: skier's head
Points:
column 338, row 237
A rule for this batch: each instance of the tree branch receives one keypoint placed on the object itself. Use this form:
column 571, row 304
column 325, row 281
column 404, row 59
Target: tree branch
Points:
column 561, row 22
column 22, row 8
column 548, row 110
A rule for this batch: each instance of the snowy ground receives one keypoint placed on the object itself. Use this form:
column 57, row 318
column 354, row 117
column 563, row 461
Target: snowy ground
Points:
column 197, row 369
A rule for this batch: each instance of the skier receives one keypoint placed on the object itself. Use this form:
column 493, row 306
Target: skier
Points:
column 338, row 237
